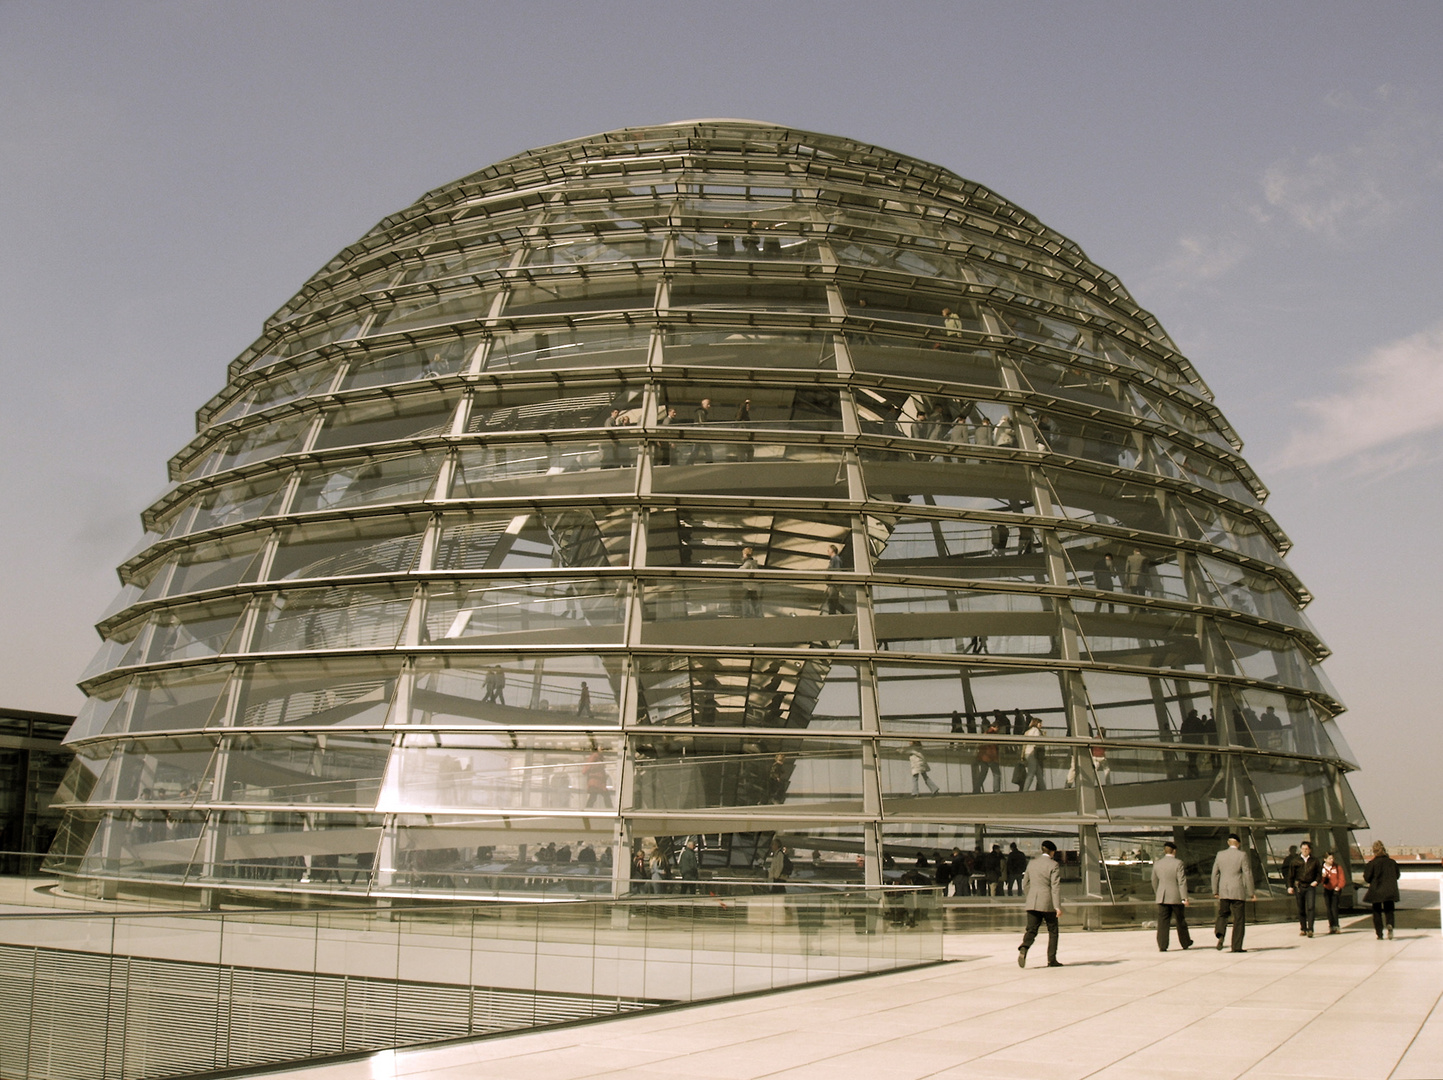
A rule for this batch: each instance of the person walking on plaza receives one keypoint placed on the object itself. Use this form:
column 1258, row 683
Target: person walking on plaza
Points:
column 1042, row 888
column 1333, row 882
column 1381, row 874
column 1169, row 884
column 1232, row 888
column 1303, row 886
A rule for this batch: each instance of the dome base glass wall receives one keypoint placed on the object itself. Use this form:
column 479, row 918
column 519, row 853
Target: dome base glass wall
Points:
column 709, row 480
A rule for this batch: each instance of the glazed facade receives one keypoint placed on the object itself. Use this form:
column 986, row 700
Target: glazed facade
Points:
column 713, row 480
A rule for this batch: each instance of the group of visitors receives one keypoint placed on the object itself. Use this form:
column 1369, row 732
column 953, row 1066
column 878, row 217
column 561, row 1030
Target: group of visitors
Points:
column 669, row 416
column 664, row 869
column 1136, row 575
column 964, row 431
column 494, row 686
column 974, row 873
column 1028, row 756
column 1233, row 886
column 1305, row 876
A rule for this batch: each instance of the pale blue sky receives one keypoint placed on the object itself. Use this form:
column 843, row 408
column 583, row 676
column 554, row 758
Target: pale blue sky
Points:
column 1266, row 179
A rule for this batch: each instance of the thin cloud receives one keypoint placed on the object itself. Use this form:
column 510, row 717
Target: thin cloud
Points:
column 1395, row 396
column 1202, row 258
column 1369, row 183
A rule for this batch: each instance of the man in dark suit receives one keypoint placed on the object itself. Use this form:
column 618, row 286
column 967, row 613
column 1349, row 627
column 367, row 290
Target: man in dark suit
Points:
column 1042, row 888
column 1169, row 884
column 1232, row 887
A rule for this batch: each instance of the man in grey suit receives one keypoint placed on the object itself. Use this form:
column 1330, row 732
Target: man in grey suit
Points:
column 1169, row 884
column 1042, row 886
column 1232, row 886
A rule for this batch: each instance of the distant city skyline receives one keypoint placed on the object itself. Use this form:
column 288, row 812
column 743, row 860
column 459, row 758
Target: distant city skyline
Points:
column 1266, row 183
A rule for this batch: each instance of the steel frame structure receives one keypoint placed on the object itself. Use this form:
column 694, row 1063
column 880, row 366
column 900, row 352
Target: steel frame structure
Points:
column 445, row 599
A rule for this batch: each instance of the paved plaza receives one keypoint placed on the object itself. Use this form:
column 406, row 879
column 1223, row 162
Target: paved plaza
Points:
column 1343, row 1006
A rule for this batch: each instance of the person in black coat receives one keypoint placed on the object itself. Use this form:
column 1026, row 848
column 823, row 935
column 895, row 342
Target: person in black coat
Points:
column 1381, row 875
column 1016, row 867
column 1303, row 881
column 961, row 873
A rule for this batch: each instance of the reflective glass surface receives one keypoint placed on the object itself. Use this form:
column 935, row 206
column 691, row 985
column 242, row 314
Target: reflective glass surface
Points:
column 511, row 690
column 315, row 692
column 402, row 478
column 711, row 480
column 809, row 776
column 456, row 770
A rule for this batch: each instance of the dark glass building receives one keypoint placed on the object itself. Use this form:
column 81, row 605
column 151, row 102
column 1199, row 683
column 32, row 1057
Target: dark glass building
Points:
column 713, row 479
column 32, row 764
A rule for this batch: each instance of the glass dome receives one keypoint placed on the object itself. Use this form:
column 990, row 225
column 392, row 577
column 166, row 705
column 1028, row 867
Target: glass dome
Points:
column 712, row 480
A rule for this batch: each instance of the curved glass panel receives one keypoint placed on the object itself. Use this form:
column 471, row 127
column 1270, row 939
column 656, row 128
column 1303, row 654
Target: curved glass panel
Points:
column 501, row 689
column 342, row 768
column 457, row 770
column 447, row 357
column 368, row 482
column 387, row 420
column 276, row 850
column 509, row 613
column 734, row 348
column 810, row 776
column 338, row 549
column 553, row 409
column 358, row 618
column 172, row 771
column 315, row 692
column 228, row 505
column 606, row 347
column 711, row 480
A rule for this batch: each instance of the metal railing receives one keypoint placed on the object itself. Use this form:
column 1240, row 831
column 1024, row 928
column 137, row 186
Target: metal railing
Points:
column 90, row 995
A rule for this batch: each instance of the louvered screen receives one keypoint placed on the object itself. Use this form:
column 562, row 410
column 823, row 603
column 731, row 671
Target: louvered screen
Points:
column 275, row 1016
column 17, row 971
column 68, row 1015
column 172, row 1017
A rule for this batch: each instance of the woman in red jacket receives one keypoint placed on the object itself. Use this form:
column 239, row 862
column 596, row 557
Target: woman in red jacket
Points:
column 1333, row 882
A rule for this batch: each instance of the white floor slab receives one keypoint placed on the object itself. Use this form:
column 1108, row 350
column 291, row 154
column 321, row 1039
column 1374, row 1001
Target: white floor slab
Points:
column 1347, row 1005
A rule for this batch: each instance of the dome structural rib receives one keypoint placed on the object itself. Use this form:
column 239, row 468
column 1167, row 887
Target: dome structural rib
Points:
column 712, row 479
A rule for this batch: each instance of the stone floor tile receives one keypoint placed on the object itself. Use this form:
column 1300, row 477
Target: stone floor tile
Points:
column 1345, row 1006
